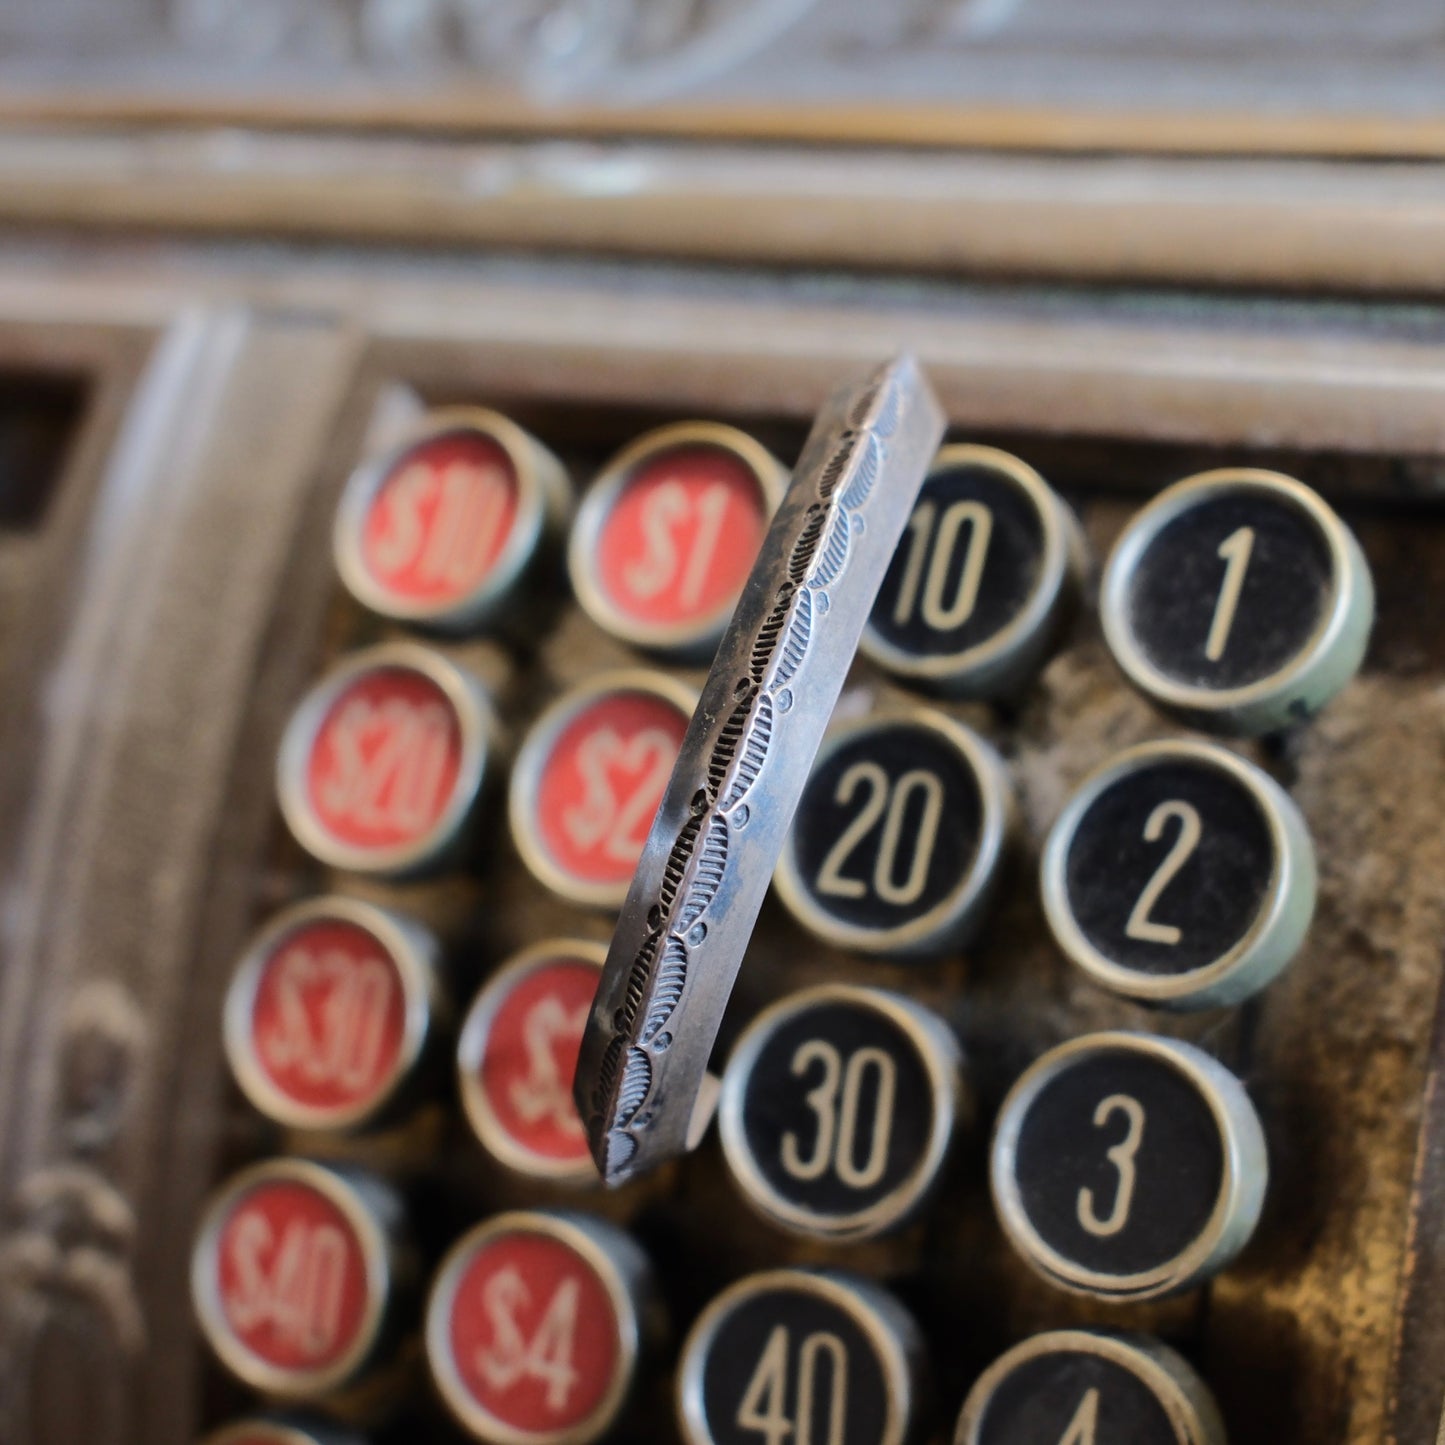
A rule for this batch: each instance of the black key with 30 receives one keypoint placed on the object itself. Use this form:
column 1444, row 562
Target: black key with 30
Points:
column 838, row 1107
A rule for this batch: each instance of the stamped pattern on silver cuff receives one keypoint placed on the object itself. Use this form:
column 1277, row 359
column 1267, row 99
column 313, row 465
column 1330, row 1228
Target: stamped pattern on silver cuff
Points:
column 704, row 872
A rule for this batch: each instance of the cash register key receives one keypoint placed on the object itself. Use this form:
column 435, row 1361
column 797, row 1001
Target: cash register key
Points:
column 517, row 1055
column 282, row 1430
column 382, row 764
column 589, row 777
column 296, row 1273
column 1127, row 1166
column 838, row 1108
column 537, row 1325
column 666, row 536
column 1238, row 601
column 801, row 1355
column 1074, row 1387
column 1180, row 875
column 898, row 839
column 331, row 1012
column 986, row 573
column 441, row 531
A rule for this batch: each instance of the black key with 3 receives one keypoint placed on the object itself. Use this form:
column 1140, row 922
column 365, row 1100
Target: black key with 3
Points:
column 1128, row 1166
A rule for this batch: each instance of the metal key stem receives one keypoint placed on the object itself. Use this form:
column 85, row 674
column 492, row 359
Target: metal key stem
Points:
column 723, row 820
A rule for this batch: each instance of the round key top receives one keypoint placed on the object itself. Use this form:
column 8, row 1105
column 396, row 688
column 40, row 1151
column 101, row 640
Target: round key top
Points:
column 986, row 571
column 1239, row 601
column 838, row 1107
column 589, row 778
column 666, row 536
column 797, row 1355
column 330, row 1013
column 442, row 529
column 1128, row 1166
column 382, row 764
column 534, row 1329
column 1180, row 875
column 1083, row 1386
column 517, row 1056
column 294, row 1273
column 282, row 1430
column 897, row 841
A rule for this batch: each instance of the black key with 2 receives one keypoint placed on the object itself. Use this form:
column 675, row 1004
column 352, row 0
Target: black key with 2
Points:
column 1180, row 875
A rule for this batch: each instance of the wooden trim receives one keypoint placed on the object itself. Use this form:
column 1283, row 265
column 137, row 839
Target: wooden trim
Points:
column 473, row 110
column 1294, row 225
column 1301, row 376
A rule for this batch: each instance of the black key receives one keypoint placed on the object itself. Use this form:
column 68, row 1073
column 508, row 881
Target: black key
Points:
column 796, row 1355
column 1180, row 875
column 986, row 571
column 838, row 1107
column 899, row 835
column 1239, row 601
column 1128, row 1166
column 1082, row 1387
column 442, row 530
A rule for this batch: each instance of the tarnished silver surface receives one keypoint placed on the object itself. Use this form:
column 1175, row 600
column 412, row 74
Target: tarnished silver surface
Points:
column 709, row 857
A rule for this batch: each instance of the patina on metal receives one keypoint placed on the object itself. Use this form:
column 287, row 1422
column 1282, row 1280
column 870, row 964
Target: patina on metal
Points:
column 724, row 817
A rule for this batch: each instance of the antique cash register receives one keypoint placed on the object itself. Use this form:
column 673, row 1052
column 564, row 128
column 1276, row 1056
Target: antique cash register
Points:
column 1019, row 426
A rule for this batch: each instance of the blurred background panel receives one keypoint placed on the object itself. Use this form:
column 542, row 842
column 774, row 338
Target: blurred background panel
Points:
column 1326, row 76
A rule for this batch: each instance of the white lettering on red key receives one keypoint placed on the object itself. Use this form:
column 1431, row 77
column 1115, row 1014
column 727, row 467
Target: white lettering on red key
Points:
column 329, row 1017
column 680, row 538
column 534, row 1333
column 292, row 1277
column 384, row 764
column 601, row 785
column 531, row 1055
column 439, row 523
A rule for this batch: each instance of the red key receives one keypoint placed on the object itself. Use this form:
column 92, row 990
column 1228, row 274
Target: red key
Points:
column 383, row 761
column 329, row 1013
column 518, row 1053
column 442, row 529
column 533, row 1329
column 292, row 1275
column 667, row 535
column 589, row 778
